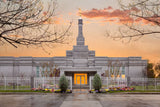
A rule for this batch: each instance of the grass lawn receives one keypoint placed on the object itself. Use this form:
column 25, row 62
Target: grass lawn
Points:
column 146, row 88
column 149, row 87
column 15, row 87
column 16, row 91
column 24, row 91
column 139, row 91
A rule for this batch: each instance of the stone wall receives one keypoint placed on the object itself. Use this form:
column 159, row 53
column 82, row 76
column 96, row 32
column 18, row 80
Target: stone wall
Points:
column 134, row 66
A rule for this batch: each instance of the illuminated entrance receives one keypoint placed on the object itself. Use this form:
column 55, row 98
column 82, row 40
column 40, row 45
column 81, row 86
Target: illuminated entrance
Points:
column 80, row 78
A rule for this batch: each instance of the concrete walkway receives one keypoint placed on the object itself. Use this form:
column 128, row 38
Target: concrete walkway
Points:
column 80, row 98
column 81, row 104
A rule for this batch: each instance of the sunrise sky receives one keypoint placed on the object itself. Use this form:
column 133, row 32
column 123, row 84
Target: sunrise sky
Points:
column 99, row 16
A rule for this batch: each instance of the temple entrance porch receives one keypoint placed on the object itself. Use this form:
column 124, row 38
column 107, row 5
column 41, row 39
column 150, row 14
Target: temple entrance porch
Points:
column 80, row 80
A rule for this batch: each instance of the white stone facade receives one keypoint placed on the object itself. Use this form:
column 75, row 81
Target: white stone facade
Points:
column 80, row 59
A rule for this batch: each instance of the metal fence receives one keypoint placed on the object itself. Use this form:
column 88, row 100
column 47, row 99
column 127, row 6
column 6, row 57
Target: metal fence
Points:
column 145, row 83
column 111, row 82
column 114, row 82
column 27, row 83
column 152, row 84
column 49, row 82
column 15, row 83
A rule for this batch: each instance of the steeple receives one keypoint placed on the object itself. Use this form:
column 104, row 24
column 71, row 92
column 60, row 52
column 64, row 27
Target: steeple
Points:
column 80, row 38
column 80, row 51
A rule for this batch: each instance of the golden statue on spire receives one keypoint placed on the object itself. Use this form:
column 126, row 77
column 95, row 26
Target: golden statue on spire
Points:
column 80, row 12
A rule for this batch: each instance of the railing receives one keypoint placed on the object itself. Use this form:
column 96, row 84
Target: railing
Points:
column 145, row 83
column 15, row 83
column 27, row 83
column 137, row 83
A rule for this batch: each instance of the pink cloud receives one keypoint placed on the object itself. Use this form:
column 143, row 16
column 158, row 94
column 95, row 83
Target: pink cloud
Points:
column 110, row 15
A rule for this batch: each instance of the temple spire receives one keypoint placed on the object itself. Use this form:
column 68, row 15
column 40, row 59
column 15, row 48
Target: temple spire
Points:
column 80, row 38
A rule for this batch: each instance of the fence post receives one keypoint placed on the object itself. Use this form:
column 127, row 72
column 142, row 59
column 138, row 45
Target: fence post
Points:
column 5, row 83
column 90, row 83
column 43, row 83
column 54, row 83
column 13, row 83
column 155, row 84
column 17, row 83
column 118, row 81
column 71, row 83
column 32, row 82
column 143, row 84
column 128, row 81
column 107, row 83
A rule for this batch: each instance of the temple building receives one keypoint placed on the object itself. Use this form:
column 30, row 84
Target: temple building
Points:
column 80, row 63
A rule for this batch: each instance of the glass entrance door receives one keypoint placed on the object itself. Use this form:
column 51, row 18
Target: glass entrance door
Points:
column 80, row 78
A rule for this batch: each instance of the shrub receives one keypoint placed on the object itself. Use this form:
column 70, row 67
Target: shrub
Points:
column 63, row 83
column 97, row 83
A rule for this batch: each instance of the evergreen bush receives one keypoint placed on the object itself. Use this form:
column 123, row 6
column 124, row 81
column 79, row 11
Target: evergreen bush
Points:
column 97, row 83
column 63, row 83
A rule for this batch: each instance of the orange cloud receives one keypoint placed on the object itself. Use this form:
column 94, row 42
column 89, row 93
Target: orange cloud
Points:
column 54, row 20
column 45, row 13
column 70, row 13
column 114, row 15
column 57, row 20
column 16, row 36
column 155, row 20
column 108, row 8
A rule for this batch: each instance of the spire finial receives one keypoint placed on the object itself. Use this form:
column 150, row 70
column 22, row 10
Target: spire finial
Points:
column 80, row 12
column 80, row 38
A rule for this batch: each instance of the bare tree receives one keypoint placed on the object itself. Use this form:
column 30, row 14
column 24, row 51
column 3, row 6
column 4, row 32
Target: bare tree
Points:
column 48, row 69
column 144, row 19
column 29, row 22
column 113, row 69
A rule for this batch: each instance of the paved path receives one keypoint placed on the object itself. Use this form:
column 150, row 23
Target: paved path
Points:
column 79, row 104
column 80, row 100
column 130, row 100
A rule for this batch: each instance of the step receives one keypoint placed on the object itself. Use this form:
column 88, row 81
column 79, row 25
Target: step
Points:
column 80, row 86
